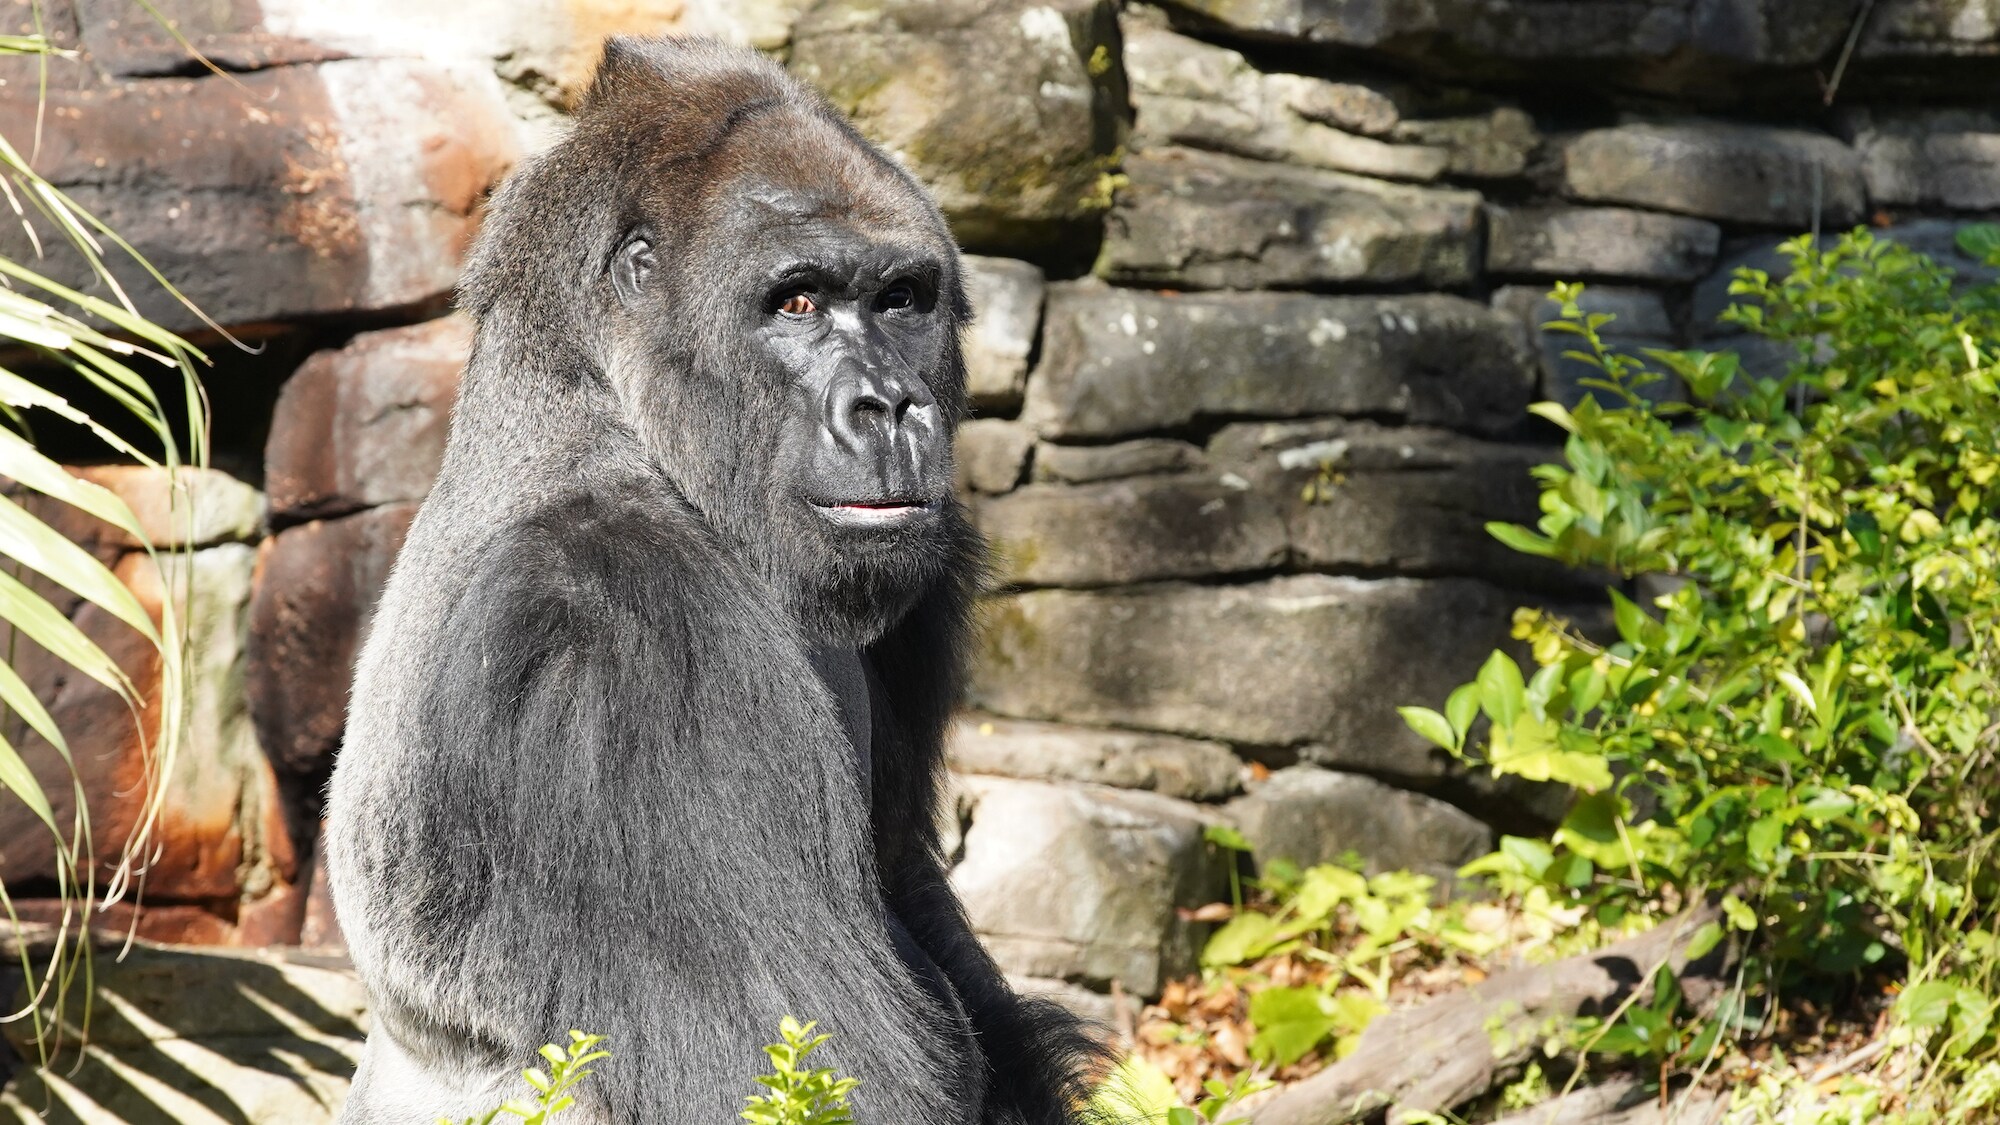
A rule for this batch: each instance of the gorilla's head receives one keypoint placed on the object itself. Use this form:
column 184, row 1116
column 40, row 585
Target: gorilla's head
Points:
column 774, row 307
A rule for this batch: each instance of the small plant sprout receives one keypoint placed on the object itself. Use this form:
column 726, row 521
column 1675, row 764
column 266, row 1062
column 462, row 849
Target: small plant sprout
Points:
column 799, row 1096
column 552, row 1086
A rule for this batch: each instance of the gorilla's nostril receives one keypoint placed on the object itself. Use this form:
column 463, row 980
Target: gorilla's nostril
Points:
column 871, row 406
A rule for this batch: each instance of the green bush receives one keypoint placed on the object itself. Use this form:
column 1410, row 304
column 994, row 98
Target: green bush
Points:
column 1806, row 722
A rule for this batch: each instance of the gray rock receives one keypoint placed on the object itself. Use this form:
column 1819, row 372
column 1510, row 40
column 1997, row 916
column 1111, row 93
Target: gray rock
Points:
column 1571, row 243
column 1205, row 220
column 992, row 454
column 1081, row 883
column 1309, row 815
column 1187, row 768
column 1932, row 30
column 1007, row 314
column 1641, row 322
column 1393, row 763
column 1120, row 361
column 202, row 1037
column 1401, row 500
column 1918, row 157
column 1489, row 146
column 1344, row 105
column 1306, row 658
column 1186, row 92
column 1639, row 312
column 1087, row 464
column 1718, row 170
column 1135, row 530
column 1007, row 110
column 1454, row 32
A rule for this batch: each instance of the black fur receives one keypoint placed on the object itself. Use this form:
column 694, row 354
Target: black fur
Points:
column 593, row 778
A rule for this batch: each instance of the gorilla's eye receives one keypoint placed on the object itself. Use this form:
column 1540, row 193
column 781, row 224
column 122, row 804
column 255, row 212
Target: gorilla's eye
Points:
column 798, row 304
column 899, row 296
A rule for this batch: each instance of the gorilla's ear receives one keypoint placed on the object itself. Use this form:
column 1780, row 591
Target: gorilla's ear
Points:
column 633, row 267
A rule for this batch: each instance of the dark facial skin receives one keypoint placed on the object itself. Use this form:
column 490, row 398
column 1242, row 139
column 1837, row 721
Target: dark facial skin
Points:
column 847, row 382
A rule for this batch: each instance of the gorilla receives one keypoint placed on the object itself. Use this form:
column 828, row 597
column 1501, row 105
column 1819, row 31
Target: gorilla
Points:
column 646, row 739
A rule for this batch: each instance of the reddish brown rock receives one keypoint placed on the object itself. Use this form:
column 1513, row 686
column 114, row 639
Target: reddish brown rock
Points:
column 302, row 190
column 365, row 424
column 124, row 39
column 315, row 590
column 219, row 834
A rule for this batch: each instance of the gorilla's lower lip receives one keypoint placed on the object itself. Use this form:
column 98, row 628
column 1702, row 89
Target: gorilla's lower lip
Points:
column 874, row 513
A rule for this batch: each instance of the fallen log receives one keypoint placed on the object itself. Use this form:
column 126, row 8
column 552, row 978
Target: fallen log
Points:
column 1622, row 1101
column 1449, row 1050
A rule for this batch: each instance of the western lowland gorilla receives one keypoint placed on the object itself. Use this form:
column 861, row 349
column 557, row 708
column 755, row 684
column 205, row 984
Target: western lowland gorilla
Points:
column 646, row 739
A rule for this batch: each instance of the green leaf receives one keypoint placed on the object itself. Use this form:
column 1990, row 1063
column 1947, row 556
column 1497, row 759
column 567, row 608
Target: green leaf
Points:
column 1555, row 412
column 1981, row 241
column 1460, row 708
column 1224, row 836
column 39, row 547
column 1502, row 692
column 1322, row 888
column 1242, row 938
column 1517, row 538
column 46, row 626
column 1825, row 805
column 20, row 781
column 1704, row 939
column 1798, row 688
column 1431, row 725
column 1529, row 748
column 1290, row 1023
column 1739, row 913
column 1591, row 830
column 1631, row 621
column 1927, row 1005
column 1534, row 856
column 1763, row 839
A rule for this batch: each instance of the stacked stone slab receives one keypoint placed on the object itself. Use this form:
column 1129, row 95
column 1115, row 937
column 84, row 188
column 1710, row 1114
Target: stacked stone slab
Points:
column 1237, row 504
column 1259, row 285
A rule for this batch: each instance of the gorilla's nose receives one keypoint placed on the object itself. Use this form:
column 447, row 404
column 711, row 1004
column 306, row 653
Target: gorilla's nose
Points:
column 872, row 415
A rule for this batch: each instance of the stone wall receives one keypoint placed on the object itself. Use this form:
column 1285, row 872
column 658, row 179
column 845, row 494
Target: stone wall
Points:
column 1258, row 285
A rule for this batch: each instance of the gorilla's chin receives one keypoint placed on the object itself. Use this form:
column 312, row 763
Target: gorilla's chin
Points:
column 854, row 575
column 852, row 607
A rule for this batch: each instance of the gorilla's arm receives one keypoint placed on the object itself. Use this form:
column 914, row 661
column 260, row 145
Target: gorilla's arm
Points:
column 1040, row 1058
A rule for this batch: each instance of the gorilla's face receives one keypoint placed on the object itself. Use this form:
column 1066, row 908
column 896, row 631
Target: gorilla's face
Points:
column 853, row 326
column 827, row 379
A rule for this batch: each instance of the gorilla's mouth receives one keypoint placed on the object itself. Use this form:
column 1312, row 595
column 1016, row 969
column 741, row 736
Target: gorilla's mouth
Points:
column 874, row 513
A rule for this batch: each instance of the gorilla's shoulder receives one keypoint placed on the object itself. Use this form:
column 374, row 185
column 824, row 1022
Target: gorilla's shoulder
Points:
column 595, row 572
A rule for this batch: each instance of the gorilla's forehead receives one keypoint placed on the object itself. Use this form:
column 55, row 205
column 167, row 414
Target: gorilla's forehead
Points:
column 794, row 166
column 846, row 232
